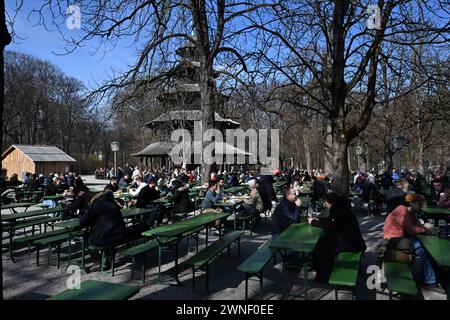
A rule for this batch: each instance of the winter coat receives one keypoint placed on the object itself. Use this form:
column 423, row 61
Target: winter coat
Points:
column 105, row 221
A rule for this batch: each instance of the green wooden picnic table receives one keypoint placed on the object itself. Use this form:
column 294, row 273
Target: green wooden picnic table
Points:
column 13, row 219
column 230, row 204
column 235, row 189
column 178, row 230
column 54, row 197
column 97, row 290
column 436, row 213
column 298, row 237
column 15, row 205
column 439, row 250
column 73, row 226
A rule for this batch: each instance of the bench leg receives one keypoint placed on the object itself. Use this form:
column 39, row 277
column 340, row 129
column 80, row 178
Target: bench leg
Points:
column 11, row 236
column 133, row 264
column 305, row 275
column 193, row 279
column 261, row 286
column 58, row 254
column 207, row 278
column 196, row 244
column 113, row 258
column 239, row 249
column 336, row 296
column 246, row 286
column 143, row 270
column 101, row 261
column 37, row 254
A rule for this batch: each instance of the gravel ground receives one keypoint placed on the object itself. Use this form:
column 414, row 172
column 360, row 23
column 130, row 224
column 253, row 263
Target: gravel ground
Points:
column 24, row 280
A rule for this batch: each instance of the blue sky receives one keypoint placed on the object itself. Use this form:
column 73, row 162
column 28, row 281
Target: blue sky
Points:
column 81, row 64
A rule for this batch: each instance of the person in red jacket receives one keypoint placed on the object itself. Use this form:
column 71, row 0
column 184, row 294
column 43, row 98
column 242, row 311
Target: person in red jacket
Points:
column 403, row 222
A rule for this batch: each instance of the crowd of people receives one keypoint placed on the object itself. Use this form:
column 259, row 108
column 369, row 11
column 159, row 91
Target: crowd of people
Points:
column 403, row 198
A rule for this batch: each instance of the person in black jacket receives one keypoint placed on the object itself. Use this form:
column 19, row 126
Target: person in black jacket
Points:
column 181, row 200
column 113, row 185
column 105, row 221
column 266, row 191
column 106, row 225
column 395, row 196
column 146, row 194
column 287, row 212
column 342, row 234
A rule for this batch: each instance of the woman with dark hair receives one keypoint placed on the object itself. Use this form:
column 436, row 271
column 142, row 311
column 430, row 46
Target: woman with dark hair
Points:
column 81, row 198
column 342, row 234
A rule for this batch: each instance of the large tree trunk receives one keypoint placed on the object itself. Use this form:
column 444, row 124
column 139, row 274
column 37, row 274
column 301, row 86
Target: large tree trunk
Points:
column 307, row 150
column 327, row 152
column 339, row 163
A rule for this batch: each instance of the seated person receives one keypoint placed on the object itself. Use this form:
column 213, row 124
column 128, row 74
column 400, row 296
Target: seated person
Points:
column 212, row 196
column 403, row 222
column 106, row 225
column 113, row 185
column 146, row 194
column 286, row 212
column 124, row 182
column 81, row 202
column 342, row 234
column 395, row 196
column 444, row 199
column 51, row 188
column 254, row 205
column 436, row 189
column 180, row 197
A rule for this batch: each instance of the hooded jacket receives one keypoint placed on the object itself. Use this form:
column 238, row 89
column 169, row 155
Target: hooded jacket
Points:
column 105, row 221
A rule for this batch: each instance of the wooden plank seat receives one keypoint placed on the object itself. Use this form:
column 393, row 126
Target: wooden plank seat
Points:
column 97, row 290
column 345, row 271
column 202, row 259
column 143, row 248
column 399, row 278
column 54, row 241
column 254, row 265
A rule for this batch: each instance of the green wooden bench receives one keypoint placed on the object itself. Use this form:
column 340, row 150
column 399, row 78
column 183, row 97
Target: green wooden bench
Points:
column 399, row 278
column 201, row 260
column 345, row 271
column 29, row 240
column 254, row 265
column 31, row 223
column 98, row 290
column 138, row 250
column 54, row 241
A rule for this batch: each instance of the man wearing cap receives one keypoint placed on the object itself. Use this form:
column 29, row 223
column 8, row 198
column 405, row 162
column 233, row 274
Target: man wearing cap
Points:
column 254, row 205
column 403, row 222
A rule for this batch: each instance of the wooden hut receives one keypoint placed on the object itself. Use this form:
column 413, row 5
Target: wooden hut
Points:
column 35, row 159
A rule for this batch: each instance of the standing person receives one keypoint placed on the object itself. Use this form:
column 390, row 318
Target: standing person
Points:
column 136, row 173
column 403, row 223
column 436, row 189
column 266, row 191
column 342, row 234
column 71, row 179
column 319, row 189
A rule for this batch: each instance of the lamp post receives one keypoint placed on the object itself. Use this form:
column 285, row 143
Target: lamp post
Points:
column 359, row 152
column 115, row 148
column 399, row 143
